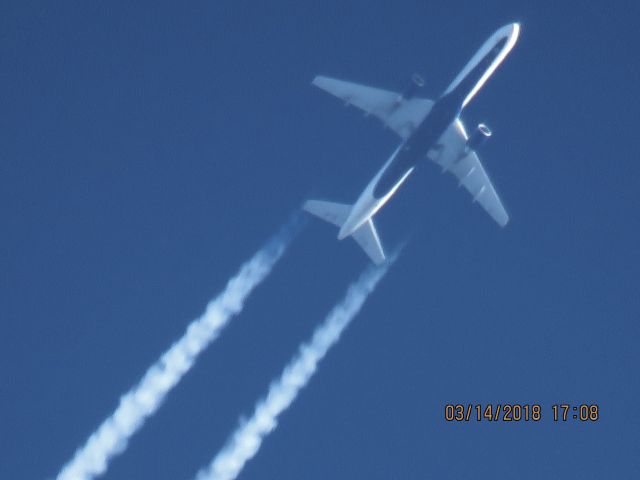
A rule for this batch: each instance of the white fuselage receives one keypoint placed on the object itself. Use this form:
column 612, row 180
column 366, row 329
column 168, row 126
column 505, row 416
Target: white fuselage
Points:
column 367, row 205
column 426, row 136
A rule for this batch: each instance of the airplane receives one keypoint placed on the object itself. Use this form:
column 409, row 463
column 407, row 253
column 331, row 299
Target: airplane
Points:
column 428, row 128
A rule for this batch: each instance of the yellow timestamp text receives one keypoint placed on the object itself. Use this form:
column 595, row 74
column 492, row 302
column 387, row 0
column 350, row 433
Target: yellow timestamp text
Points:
column 520, row 412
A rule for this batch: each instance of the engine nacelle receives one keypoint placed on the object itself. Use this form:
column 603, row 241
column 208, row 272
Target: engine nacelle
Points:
column 417, row 82
column 480, row 135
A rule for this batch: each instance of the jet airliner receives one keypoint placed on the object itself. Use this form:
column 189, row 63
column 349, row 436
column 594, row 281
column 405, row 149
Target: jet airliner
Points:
column 428, row 128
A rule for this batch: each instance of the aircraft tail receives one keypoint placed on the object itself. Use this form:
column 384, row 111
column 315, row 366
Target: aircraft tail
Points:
column 337, row 213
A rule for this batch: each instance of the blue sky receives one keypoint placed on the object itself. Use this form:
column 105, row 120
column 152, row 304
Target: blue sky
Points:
column 148, row 149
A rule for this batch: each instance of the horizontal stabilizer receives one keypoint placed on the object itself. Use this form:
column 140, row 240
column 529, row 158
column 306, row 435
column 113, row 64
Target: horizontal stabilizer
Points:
column 336, row 213
column 368, row 239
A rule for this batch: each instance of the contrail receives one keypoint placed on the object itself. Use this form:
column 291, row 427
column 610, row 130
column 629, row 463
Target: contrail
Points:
column 246, row 440
column 145, row 398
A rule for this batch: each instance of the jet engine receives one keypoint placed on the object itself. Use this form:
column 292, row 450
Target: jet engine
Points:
column 480, row 135
column 417, row 82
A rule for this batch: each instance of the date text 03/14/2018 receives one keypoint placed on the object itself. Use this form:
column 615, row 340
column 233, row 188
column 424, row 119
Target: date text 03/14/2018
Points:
column 515, row 412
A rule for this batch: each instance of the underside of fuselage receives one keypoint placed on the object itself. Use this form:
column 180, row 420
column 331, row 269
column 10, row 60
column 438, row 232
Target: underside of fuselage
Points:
column 426, row 136
column 444, row 111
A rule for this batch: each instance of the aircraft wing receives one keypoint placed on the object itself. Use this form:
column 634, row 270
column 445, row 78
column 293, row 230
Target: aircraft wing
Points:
column 401, row 115
column 468, row 169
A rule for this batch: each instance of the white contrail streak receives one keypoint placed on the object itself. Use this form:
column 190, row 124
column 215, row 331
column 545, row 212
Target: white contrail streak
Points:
column 246, row 440
column 145, row 398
